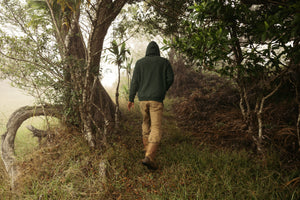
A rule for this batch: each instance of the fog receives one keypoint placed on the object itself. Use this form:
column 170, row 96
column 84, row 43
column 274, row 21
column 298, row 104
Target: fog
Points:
column 10, row 100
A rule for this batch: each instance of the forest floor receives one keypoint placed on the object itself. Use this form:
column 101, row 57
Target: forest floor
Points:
column 193, row 164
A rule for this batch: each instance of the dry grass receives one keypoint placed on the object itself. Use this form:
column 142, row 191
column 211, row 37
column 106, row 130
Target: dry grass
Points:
column 4, row 180
column 66, row 168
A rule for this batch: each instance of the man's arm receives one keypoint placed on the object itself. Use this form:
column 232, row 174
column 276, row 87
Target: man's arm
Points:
column 134, row 86
column 170, row 76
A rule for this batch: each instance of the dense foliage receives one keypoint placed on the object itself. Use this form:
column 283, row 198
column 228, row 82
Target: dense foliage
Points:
column 256, row 44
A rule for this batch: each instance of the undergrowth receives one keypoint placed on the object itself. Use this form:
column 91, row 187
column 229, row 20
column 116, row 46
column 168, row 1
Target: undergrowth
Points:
column 66, row 168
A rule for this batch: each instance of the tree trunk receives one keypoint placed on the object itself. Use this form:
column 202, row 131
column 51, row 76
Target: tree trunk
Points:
column 245, row 108
column 37, row 133
column 296, row 82
column 84, row 66
column 298, row 126
column 103, row 109
column 259, row 111
column 117, row 100
column 13, row 124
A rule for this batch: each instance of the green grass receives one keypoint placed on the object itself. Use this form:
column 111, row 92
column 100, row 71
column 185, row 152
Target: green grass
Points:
column 25, row 143
column 188, row 169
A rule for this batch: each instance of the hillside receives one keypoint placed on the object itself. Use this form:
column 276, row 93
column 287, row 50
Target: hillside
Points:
column 206, row 153
column 189, row 168
column 231, row 126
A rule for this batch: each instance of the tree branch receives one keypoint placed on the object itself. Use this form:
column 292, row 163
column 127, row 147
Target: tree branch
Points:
column 56, row 26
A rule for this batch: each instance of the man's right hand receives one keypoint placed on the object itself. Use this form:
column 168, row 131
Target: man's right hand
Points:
column 130, row 105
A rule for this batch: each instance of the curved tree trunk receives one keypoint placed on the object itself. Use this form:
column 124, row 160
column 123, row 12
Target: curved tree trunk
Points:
column 13, row 124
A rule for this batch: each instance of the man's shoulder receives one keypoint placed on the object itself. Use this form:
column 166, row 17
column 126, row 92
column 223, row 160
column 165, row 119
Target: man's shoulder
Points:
column 145, row 61
column 140, row 60
column 147, row 58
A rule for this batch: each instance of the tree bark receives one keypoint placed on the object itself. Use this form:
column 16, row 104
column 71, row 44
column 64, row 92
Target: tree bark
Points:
column 84, row 67
column 117, row 111
column 37, row 133
column 259, row 111
column 245, row 107
column 103, row 109
column 298, row 126
column 13, row 124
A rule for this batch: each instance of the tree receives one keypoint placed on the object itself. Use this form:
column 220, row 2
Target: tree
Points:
column 251, row 45
column 118, row 58
column 253, row 42
column 165, row 16
column 128, row 72
column 57, row 51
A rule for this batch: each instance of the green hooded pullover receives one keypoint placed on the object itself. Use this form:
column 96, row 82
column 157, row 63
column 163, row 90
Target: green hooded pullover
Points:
column 152, row 76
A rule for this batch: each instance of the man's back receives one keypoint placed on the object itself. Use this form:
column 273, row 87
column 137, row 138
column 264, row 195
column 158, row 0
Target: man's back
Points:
column 152, row 77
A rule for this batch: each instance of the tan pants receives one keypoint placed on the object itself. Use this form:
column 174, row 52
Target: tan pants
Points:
column 152, row 117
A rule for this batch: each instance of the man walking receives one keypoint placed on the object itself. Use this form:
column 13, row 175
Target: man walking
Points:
column 152, row 77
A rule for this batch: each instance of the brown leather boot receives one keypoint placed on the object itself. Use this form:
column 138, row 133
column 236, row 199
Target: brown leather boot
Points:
column 148, row 161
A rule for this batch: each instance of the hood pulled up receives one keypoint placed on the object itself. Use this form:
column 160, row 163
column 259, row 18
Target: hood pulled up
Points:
column 152, row 49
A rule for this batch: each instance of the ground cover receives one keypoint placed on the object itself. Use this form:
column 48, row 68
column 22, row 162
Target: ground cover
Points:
column 66, row 168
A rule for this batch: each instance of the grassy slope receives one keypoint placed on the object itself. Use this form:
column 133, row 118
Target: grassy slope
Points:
column 188, row 169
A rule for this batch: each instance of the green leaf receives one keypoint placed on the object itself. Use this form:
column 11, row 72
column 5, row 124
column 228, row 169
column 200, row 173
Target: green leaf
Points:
column 266, row 25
